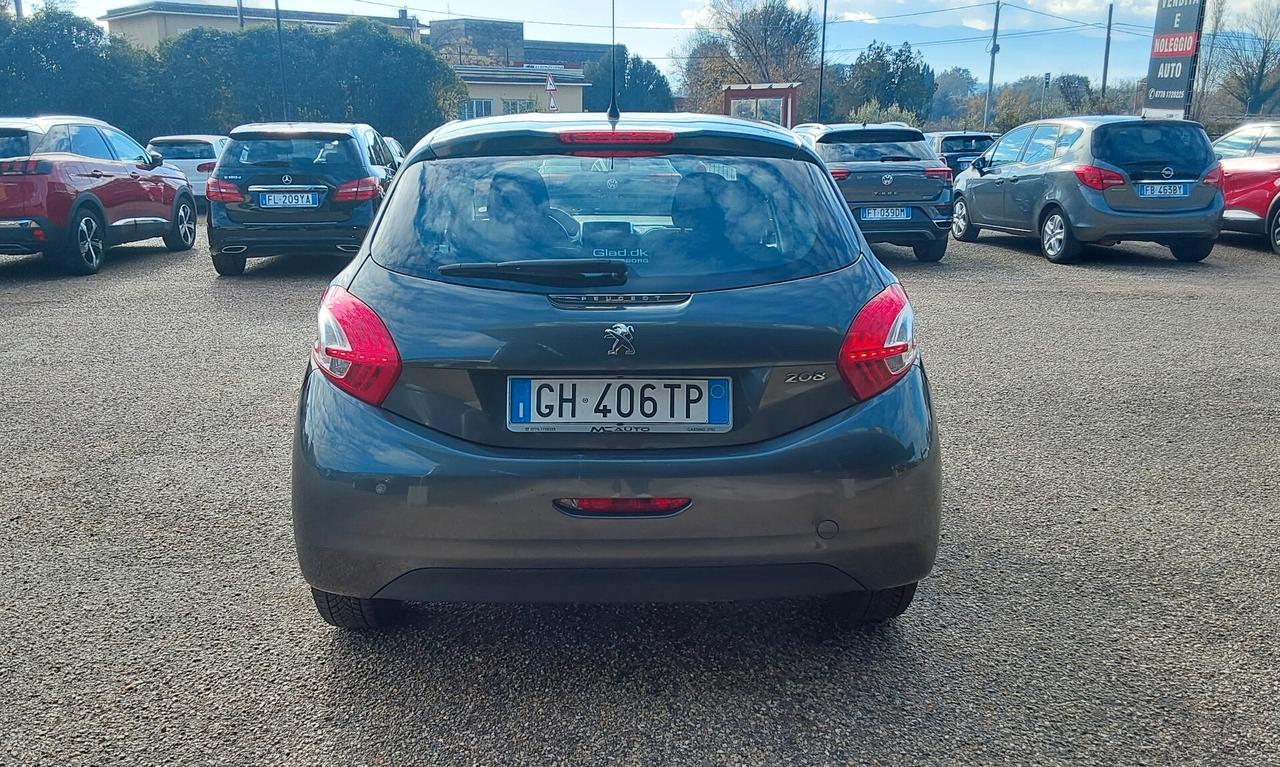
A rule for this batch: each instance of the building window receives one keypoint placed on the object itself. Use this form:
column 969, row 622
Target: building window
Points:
column 768, row 109
column 519, row 106
column 744, row 108
column 477, row 108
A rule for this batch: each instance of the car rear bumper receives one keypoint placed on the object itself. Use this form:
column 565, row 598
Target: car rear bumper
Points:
column 929, row 221
column 28, row 234
column 278, row 241
column 385, row 507
column 1092, row 220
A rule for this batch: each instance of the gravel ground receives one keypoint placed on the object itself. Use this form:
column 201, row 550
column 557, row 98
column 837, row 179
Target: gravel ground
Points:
column 1106, row 591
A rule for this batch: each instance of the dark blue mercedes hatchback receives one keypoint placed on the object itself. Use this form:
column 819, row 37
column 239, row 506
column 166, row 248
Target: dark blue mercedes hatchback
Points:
column 589, row 360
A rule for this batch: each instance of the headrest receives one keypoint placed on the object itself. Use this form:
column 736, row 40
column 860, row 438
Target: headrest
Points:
column 698, row 202
column 516, row 192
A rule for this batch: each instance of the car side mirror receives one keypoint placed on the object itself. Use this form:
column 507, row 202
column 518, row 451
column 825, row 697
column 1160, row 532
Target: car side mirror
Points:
column 154, row 159
column 981, row 164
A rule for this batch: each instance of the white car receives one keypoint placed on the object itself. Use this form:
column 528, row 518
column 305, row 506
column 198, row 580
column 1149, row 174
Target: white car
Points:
column 194, row 155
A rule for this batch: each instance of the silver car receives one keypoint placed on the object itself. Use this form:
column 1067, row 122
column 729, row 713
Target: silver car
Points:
column 1096, row 180
column 194, row 155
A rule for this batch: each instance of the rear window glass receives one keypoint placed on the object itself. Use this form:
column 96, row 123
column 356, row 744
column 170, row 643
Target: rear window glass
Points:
column 1138, row 144
column 874, row 146
column 294, row 152
column 680, row 222
column 966, row 143
column 184, row 150
column 14, row 143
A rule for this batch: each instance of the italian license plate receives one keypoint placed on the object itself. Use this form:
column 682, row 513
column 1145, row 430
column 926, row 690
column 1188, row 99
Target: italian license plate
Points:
column 643, row 405
column 1162, row 190
column 885, row 214
column 288, row 199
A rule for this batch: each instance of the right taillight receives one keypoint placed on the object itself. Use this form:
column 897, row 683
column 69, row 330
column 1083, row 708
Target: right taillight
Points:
column 217, row 190
column 206, row 167
column 941, row 174
column 1214, row 177
column 26, row 168
column 879, row 346
column 1098, row 178
column 359, row 190
column 354, row 349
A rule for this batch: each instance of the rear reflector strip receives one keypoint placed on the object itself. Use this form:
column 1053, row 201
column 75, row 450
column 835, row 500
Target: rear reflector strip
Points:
column 622, row 506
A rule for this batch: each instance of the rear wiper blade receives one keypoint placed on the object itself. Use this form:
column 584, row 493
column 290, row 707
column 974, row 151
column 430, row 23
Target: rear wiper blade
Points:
column 268, row 164
column 898, row 158
column 561, row 272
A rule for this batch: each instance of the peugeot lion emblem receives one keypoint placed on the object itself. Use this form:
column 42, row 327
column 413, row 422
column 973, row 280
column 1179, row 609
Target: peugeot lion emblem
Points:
column 621, row 336
column 886, row 179
column 1167, row 172
column 286, row 179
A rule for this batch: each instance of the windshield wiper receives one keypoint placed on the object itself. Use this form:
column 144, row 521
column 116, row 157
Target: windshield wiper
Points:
column 560, row 272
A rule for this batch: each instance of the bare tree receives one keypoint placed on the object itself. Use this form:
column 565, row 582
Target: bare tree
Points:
column 1210, row 64
column 1251, row 57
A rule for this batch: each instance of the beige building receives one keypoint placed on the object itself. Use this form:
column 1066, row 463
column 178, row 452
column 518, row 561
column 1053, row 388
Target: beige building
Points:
column 503, row 72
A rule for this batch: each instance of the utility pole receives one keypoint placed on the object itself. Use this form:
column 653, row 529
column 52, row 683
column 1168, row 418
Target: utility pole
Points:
column 284, row 95
column 822, row 59
column 1044, row 91
column 240, row 12
column 1106, row 52
column 991, row 73
column 17, row 9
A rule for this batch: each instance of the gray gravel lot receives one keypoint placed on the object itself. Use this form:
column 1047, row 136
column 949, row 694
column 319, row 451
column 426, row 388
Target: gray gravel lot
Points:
column 1106, row 592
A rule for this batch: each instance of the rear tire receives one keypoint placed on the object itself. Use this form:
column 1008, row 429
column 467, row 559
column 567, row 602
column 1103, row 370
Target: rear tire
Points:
column 355, row 613
column 1190, row 251
column 859, row 607
column 931, row 251
column 1057, row 242
column 962, row 227
column 1273, row 230
column 229, row 266
column 86, row 245
column 183, row 234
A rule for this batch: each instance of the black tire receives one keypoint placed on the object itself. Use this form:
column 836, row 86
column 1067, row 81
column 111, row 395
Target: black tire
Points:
column 86, row 245
column 229, row 266
column 1190, row 251
column 355, row 613
column 931, row 251
column 962, row 227
column 858, row 607
column 1057, row 242
column 1273, row 230
column 182, row 236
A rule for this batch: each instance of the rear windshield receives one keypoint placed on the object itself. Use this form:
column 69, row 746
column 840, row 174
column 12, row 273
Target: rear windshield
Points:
column 295, row 152
column 1138, row 144
column 14, row 143
column 184, row 150
column 966, row 143
column 680, row 222
column 874, row 146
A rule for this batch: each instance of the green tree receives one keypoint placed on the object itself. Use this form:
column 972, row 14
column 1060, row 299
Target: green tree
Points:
column 893, row 76
column 872, row 112
column 955, row 87
column 1076, row 92
column 641, row 86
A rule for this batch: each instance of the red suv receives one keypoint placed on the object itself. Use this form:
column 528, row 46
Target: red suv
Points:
column 71, row 187
column 1250, row 157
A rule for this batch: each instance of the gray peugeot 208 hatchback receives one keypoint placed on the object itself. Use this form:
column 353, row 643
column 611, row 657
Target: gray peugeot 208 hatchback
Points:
column 584, row 360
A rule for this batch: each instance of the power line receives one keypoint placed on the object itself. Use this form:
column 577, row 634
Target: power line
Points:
column 877, row 19
column 1094, row 24
column 661, row 27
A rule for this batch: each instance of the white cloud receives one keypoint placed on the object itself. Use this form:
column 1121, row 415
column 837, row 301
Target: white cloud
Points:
column 860, row 16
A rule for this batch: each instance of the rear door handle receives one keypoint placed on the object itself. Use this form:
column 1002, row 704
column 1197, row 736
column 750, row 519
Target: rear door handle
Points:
column 97, row 174
column 135, row 175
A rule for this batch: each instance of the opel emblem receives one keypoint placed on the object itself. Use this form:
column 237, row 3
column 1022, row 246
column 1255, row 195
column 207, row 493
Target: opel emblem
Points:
column 886, row 179
column 1167, row 172
column 620, row 334
column 286, row 179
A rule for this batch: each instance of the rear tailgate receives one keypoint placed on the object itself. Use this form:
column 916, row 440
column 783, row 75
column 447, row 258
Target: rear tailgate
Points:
column 886, row 182
column 291, row 179
column 1164, row 161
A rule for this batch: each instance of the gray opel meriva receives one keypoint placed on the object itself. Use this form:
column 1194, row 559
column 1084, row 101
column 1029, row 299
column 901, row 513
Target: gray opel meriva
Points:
column 584, row 360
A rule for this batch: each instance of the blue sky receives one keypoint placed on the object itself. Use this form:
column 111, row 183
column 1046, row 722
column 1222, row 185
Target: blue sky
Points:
column 1038, row 42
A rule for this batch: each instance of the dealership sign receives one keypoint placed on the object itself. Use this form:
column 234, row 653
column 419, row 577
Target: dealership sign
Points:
column 1173, row 57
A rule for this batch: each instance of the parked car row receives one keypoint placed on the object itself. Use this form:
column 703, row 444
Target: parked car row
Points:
column 71, row 187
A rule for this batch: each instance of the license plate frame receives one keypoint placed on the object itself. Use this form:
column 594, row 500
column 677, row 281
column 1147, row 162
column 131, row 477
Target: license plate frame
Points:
column 715, row 405
column 1163, row 191
column 288, row 200
column 881, row 213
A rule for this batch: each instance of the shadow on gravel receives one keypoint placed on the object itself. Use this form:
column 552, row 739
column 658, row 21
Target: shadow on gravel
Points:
column 568, row 656
column 291, row 266
column 1124, row 257
column 41, row 269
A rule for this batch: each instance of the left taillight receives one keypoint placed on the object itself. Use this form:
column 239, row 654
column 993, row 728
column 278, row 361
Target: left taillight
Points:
column 26, row 168
column 217, row 190
column 354, row 350
column 879, row 347
column 359, row 190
